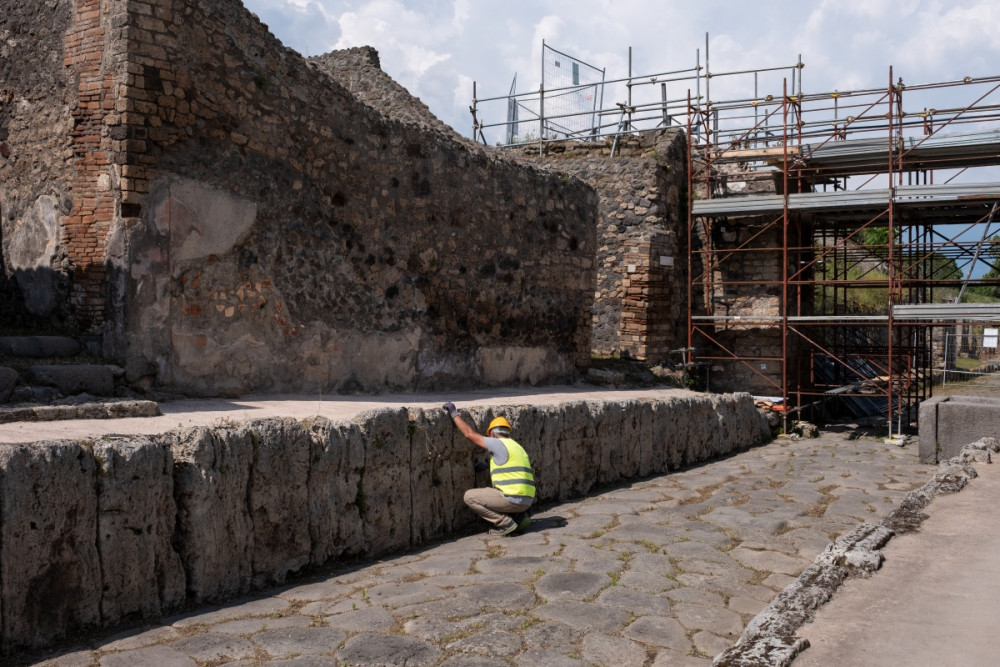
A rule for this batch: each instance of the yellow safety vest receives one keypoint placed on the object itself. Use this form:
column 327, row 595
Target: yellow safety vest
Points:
column 513, row 478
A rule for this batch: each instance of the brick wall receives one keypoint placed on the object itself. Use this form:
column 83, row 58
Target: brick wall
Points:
column 88, row 223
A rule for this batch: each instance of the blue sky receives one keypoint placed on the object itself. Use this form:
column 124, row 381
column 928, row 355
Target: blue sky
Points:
column 437, row 48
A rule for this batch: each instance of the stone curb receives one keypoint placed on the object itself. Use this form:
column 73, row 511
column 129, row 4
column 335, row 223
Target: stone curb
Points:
column 99, row 410
column 769, row 639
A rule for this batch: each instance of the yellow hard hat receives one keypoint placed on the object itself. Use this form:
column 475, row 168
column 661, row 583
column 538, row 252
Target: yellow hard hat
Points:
column 499, row 421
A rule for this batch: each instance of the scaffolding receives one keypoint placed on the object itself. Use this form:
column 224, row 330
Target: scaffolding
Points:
column 820, row 245
column 831, row 236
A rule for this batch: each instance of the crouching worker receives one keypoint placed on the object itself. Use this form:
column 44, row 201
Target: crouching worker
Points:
column 506, row 503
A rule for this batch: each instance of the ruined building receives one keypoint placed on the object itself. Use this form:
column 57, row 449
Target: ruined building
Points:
column 220, row 215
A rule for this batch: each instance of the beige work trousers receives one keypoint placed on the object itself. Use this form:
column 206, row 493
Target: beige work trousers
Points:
column 490, row 504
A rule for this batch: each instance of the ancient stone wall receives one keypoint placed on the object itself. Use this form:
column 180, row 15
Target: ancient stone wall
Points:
column 37, row 100
column 233, row 219
column 641, row 291
column 97, row 533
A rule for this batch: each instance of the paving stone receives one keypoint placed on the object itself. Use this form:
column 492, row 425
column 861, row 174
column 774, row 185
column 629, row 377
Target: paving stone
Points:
column 770, row 561
column 488, row 642
column 505, row 597
column 746, row 520
column 648, row 582
column 610, row 508
column 570, row 585
column 634, row 602
column 372, row 649
column 286, row 642
column 715, row 619
column 453, row 607
column 75, row 659
column 702, row 568
column 539, row 549
column 651, row 562
column 262, row 607
column 370, row 619
column 302, row 661
column 601, row 560
column 402, row 594
column 450, row 581
column 474, row 661
column 431, row 628
column 695, row 550
column 554, row 636
column 601, row 649
column 583, row 616
column 330, row 607
column 214, row 647
column 152, row 656
column 659, row 631
column 668, row 658
column 535, row 657
column 137, row 639
column 320, row 590
column 524, row 567
column 723, row 582
column 640, row 532
column 250, row 626
column 747, row 606
column 708, row 643
column 778, row 581
column 450, row 564
column 808, row 541
column 687, row 594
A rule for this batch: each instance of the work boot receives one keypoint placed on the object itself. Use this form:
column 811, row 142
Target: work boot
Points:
column 504, row 530
column 524, row 523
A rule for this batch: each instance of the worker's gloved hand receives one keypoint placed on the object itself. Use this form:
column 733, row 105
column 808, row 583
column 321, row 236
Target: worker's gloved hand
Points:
column 452, row 410
column 480, row 466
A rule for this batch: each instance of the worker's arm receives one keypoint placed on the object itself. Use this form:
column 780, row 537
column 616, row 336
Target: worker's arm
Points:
column 466, row 430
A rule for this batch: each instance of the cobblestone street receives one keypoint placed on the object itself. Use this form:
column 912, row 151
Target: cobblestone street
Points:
column 666, row 570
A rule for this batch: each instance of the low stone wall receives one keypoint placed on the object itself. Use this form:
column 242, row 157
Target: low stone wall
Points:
column 949, row 422
column 94, row 534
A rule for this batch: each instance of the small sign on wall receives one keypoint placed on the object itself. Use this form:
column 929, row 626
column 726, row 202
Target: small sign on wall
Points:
column 990, row 337
column 666, row 260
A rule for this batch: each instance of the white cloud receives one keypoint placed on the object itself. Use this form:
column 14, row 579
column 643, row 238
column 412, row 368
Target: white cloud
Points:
column 436, row 48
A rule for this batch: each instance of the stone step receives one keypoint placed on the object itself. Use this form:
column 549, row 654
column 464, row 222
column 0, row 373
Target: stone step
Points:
column 39, row 347
column 69, row 379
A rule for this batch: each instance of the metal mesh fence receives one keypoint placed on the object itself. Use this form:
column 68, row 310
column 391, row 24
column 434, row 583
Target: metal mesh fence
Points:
column 570, row 110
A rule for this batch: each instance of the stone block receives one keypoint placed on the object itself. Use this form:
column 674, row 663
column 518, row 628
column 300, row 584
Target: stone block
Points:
column 337, row 461
column 72, row 379
column 949, row 423
column 39, row 347
column 441, row 470
column 214, row 529
column 50, row 574
column 8, row 378
column 141, row 572
column 278, row 497
column 577, row 448
column 385, row 499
